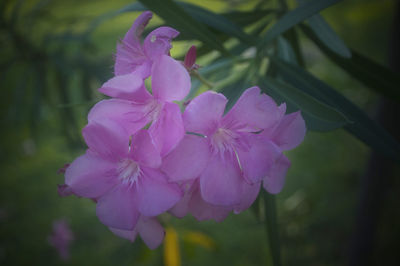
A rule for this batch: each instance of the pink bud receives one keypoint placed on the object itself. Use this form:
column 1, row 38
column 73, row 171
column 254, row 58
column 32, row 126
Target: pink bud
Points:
column 190, row 57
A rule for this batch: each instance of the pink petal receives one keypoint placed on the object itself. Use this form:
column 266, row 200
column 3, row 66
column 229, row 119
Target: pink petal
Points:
column 144, row 151
column 203, row 113
column 126, row 113
column 202, row 210
column 151, row 231
column 118, row 208
column 90, row 176
column 249, row 195
column 155, row 194
column 290, row 131
column 130, row 55
column 134, row 33
column 187, row 160
column 259, row 158
column 127, row 234
column 221, row 181
column 107, row 138
column 181, row 208
column 128, row 86
column 253, row 111
column 274, row 181
column 170, row 81
column 167, row 131
column 158, row 42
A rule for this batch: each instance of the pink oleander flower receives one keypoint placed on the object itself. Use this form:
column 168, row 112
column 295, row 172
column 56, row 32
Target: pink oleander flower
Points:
column 121, row 172
column 61, row 238
column 134, row 107
column 133, row 56
column 237, row 152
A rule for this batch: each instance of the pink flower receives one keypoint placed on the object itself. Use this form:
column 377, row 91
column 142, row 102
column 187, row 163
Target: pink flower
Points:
column 234, row 155
column 136, row 107
column 61, row 238
column 132, row 56
column 122, row 175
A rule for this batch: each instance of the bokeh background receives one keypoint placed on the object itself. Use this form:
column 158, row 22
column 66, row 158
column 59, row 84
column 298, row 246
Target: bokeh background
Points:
column 54, row 56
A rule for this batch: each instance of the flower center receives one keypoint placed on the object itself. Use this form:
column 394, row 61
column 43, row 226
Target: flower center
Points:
column 129, row 171
column 223, row 140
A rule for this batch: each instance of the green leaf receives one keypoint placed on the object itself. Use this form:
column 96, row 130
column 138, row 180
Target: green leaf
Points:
column 272, row 227
column 216, row 21
column 328, row 36
column 318, row 115
column 244, row 19
column 177, row 17
column 294, row 17
column 371, row 74
column 362, row 127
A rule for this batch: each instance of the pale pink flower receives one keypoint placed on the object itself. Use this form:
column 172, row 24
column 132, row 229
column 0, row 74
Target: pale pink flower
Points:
column 61, row 238
column 234, row 155
column 137, row 107
column 133, row 56
column 122, row 175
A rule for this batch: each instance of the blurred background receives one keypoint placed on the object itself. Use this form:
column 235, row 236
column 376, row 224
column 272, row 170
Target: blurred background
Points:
column 54, row 56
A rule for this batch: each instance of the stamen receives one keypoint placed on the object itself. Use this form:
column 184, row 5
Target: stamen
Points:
column 129, row 171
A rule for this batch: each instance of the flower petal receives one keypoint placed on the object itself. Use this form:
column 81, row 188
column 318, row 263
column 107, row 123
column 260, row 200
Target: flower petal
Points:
column 144, row 151
column 204, row 112
column 151, row 231
column 127, row 234
column 274, row 181
column 221, row 181
column 158, row 42
column 155, row 194
column 203, row 210
column 258, row 158
column 126, row 113
column 181, row 208
column 253, row 111
column 134, row 33
column 130, row 55
column 107, row 138
column 90, row 176
column 249, row 195
column 118, row 208
column 187, row 160
column 170, row 80
column 290, row 131
column 128, row 86
column 167, row 131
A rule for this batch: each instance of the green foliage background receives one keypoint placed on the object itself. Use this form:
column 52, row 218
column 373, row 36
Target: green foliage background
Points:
column 54, row 56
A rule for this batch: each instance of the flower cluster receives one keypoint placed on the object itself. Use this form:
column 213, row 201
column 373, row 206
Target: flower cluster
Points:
column 145, row 157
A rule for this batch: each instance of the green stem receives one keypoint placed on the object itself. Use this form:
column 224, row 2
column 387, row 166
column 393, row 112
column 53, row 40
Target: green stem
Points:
column 202, row 79
column 272, row 228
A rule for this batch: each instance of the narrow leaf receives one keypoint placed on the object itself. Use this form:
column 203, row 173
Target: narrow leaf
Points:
column 318, row 115
column 177, row 17
column 216, row 21
column 328, row 36
column 294, row 17
column 244, row 19
column 362, row 127
column 371, row 74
